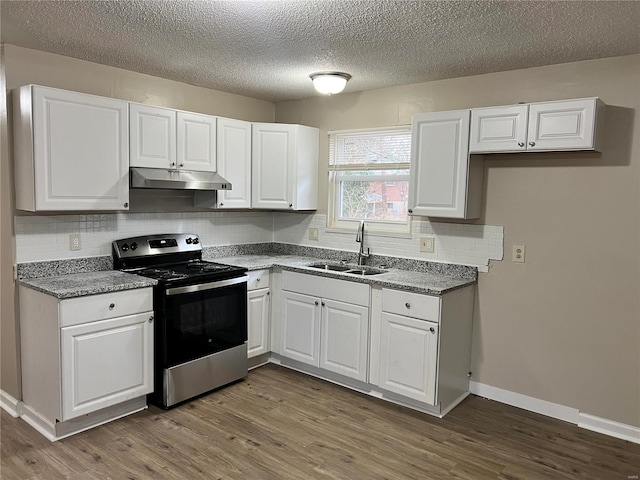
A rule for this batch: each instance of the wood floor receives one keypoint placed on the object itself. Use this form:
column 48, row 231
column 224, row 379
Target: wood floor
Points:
column 280, row 424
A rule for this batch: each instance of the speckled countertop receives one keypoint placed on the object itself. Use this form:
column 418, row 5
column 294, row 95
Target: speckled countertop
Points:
column 413, row 281
column 81, row 284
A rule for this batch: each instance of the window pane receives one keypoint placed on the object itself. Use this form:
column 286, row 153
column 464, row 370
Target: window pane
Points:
column 373, row 200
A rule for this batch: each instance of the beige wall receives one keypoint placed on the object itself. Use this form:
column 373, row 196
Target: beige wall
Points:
column 565, row 326
column 24, row 66
column 9, row 355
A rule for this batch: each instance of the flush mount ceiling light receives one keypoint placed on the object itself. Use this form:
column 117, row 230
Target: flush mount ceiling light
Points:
column 329, row 82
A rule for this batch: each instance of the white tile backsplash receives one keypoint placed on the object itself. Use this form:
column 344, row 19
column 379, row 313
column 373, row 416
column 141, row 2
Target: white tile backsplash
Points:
column 46, row 237
column 454, row 243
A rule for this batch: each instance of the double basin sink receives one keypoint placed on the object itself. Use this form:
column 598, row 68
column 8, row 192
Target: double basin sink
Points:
column 359, row 270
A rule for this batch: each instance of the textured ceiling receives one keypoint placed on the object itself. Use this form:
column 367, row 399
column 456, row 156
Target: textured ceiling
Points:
column 267, row 49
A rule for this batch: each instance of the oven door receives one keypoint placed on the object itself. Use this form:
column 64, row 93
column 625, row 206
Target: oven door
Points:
column 203, row 319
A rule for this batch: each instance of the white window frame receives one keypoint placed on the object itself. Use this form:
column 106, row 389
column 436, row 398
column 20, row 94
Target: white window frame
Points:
column 374, row 227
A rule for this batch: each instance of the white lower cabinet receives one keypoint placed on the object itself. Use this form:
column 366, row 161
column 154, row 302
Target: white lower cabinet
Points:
column 409, row 357
column 344, row 339
column 421, row 346
column 325, row 323
column 258, row 308
column 105, row 363
column 85, row 360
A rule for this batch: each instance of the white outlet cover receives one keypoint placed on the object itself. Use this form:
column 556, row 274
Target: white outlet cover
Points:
column 518, row 254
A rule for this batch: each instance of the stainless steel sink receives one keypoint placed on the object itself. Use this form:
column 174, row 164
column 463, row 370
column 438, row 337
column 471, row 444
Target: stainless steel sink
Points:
column 349, row 269
column 330, row 266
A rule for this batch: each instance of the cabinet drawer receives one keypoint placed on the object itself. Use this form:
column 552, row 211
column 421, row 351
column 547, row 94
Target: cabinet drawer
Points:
column 258, row 279
column 74, row 311
column 424, row 307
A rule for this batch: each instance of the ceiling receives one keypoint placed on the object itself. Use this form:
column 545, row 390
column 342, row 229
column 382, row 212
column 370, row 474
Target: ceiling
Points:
column 267, row 49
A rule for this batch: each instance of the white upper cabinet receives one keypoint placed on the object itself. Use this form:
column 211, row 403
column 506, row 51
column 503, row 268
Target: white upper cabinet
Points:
column 445, row 181
column 234, row 163
column 71, row 151
column 196, row 142
column 499, row 129
column 538, row 127
column 166, row 138
column 153, row 137
column 284, row 167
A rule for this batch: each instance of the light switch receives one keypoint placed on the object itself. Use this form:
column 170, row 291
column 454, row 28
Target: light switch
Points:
column 74, row 241
column 313, row 233
column 428, row 244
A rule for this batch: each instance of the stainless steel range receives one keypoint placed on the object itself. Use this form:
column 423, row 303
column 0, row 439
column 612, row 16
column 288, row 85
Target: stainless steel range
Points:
column 200, row 310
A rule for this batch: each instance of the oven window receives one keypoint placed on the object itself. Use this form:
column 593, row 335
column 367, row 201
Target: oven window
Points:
column 204, row 322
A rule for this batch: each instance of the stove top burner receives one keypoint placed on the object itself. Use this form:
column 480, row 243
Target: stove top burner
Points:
column 162, row 274
column 193, row 270
column 208, row 266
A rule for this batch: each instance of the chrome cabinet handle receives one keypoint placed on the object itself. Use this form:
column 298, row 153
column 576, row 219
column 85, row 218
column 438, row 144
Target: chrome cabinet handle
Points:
column 316, row 302
column 151, row 319
column 173, row 164
column 323, row 304
column 182, row 164
column 532, row 144
column 410, row 211
column 126, row 204
column 112, row 306
column 408, row 305
column 291, row 205
column 521, row 144
column 432, row 330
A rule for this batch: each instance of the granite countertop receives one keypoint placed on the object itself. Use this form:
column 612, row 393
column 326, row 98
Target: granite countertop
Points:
column 413, row 281
column 81, row 284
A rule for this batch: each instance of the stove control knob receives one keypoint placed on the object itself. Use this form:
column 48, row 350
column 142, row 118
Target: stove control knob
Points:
column 196, row 241
column 124, row 247
column 189, row 241
column 134, row 245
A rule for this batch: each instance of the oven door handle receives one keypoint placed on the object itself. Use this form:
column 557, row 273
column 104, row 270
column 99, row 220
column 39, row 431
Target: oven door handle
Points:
column 206, row 286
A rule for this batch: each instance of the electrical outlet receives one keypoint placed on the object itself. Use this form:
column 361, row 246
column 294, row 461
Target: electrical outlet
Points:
column 428, row 243
column 517, row 255
column 313, row 233
column 15, row 273
column 74, row 241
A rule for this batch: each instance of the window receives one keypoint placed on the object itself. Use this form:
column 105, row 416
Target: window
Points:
column 369, row 179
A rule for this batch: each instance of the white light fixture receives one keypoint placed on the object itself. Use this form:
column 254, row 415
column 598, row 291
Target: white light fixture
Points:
column 329, row 82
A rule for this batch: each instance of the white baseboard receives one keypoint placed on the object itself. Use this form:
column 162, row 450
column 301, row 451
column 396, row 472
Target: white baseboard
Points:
column 609, row 427
column 554, row 410
column 10, row 404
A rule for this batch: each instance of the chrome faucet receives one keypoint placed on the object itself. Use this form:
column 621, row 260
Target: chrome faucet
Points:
column 360, row 239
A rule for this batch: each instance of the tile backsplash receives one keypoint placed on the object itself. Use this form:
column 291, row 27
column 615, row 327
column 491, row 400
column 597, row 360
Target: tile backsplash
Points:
column 46, row 237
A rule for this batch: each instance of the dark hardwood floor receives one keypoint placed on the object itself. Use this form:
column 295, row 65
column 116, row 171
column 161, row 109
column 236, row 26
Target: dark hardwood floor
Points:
column 280, row 424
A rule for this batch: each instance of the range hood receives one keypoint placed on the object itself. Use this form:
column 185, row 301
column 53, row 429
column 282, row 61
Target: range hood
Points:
column 177, row 179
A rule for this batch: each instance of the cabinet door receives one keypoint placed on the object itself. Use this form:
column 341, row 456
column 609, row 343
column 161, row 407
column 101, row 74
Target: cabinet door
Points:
column 439, row 164
column 499, row 129
column 344, row 339
column 196, row 140
column 234, row 162
column 80, row 147
column 258, row 322
column 105, row 363
column 301, row 327
column 273, row 151
column 153, row 137
column 564, row 125
column 408, row 357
